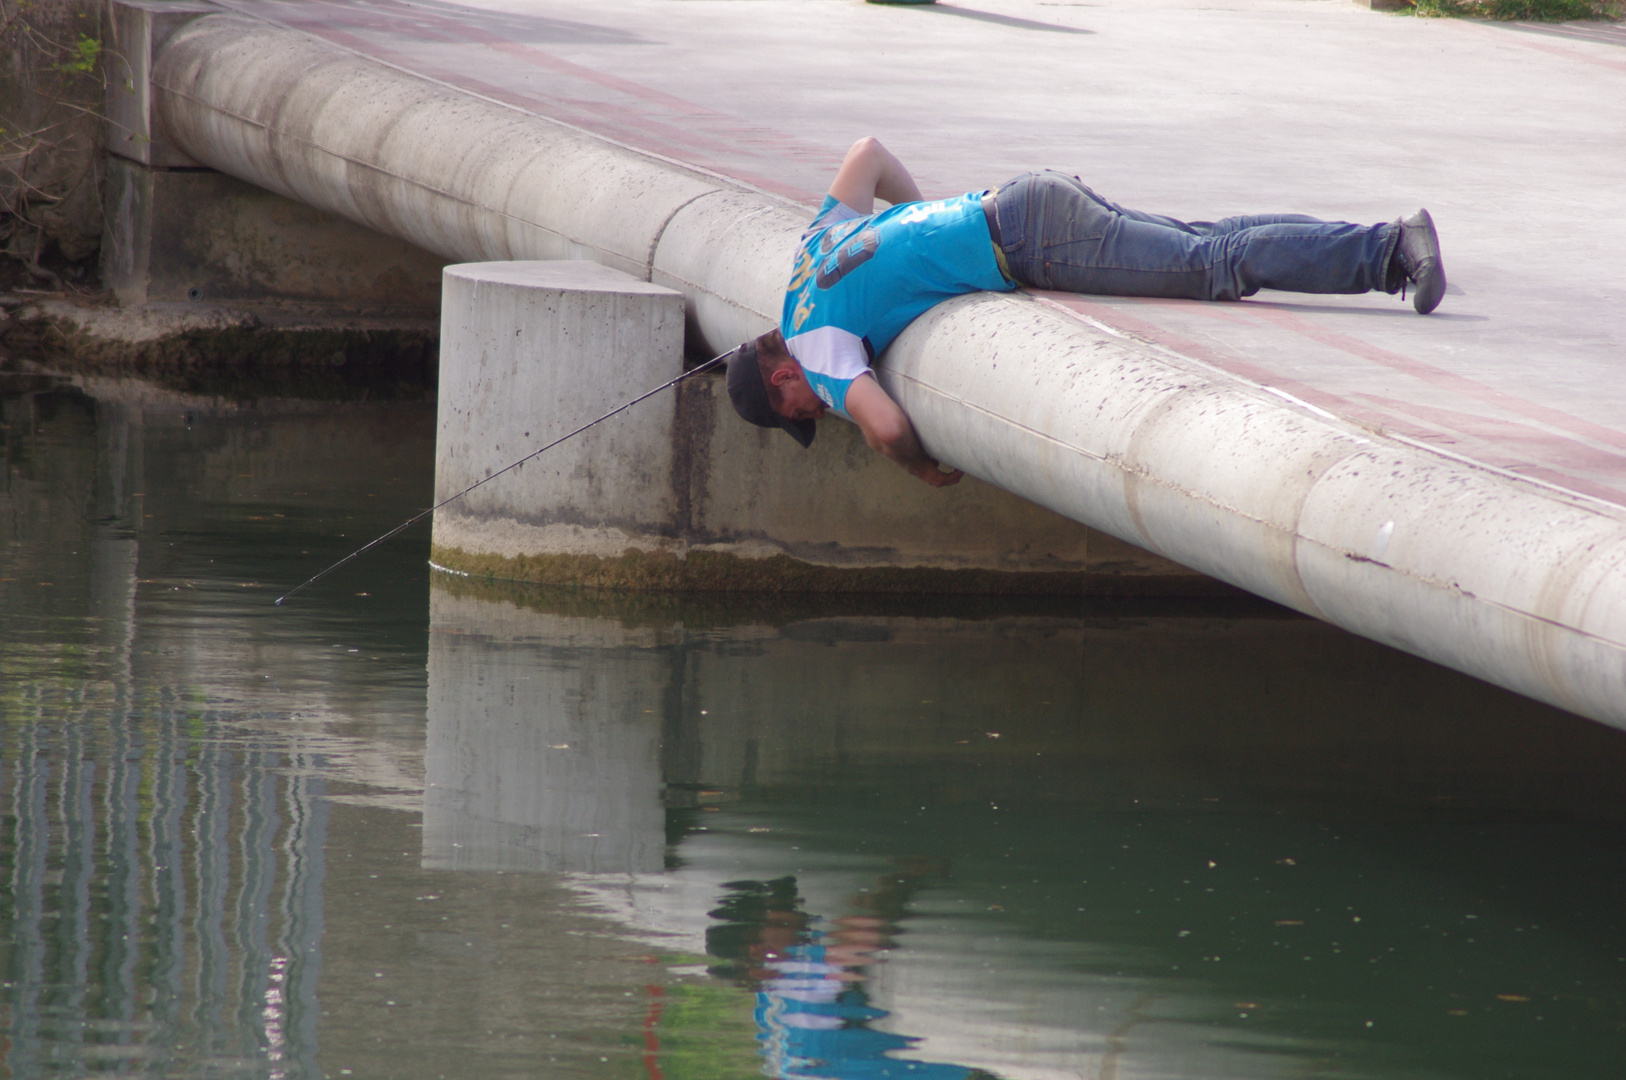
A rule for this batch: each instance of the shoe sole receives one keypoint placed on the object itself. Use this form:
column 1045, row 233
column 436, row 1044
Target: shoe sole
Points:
column 1430, row 284
column 1430, row 279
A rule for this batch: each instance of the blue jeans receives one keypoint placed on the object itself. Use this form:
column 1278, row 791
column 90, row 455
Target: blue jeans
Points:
column 1058, row 234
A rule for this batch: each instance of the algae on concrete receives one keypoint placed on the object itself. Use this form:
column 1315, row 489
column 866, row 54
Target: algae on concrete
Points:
column 718, row 571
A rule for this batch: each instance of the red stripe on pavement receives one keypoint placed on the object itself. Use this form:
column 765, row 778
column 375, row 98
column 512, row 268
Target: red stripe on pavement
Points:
column 1436, row 376
column 1390, row 416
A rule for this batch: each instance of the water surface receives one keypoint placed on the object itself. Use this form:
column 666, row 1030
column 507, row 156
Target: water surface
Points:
column 405, row 827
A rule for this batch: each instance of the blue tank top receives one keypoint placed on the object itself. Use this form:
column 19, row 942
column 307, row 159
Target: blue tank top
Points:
column 859, row 280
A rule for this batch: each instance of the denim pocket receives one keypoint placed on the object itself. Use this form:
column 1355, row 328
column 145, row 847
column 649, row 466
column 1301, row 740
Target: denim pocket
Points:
column 1069, row 215
column 1078, row 254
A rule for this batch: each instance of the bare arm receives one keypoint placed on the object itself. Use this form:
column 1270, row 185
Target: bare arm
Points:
column 869, row 171
column 889, row 433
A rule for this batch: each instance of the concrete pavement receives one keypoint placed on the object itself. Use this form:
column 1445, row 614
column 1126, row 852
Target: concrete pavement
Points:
column 1513, row 135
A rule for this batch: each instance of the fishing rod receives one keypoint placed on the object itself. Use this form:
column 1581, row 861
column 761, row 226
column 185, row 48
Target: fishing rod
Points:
column 409, row 522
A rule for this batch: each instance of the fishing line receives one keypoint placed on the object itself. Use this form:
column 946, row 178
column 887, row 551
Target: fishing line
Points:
column 713, row 362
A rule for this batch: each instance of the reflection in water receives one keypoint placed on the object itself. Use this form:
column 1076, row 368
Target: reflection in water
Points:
column 568, row 835
column 813, row 1014
column 163, row 864
column 549, row 766
column 165, row 894
column 1391, row 870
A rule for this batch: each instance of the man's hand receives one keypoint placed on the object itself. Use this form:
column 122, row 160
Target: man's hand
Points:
column 936, row 477
column 889, row 433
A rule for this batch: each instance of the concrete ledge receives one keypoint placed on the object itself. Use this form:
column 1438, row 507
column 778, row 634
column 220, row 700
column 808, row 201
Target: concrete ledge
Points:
column 455, row 175
column 1513, row 581
column 714, row 251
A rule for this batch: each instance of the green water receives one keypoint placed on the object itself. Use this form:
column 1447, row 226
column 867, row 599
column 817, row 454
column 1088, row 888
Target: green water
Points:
column 405, row 827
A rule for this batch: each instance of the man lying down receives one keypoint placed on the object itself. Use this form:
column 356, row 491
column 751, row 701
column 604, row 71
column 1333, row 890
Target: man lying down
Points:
column 861, row 277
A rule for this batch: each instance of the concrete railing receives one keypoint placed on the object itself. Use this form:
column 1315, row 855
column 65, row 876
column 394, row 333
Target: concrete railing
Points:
column 462, row 177
column 1516, row 582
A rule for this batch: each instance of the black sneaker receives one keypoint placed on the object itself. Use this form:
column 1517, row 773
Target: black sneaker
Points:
column 1418, row 254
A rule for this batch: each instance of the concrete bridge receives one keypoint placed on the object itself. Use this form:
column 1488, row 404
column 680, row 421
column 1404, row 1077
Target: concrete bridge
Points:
column 1414, row 481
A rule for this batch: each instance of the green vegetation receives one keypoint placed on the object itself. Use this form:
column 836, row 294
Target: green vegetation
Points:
column 1518, row 10
column 51, row 94
column 81, row 56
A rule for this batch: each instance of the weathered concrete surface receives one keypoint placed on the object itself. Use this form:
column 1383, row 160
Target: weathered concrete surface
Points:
column 673, row 494
column 1513, row 581
column 223, row 286
column 451, row 174
column 1518, row 581
column 530, row 351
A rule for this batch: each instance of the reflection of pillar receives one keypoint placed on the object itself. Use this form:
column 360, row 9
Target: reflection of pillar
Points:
column 74, row 924
column 536, row 761
column 211, row 867
column 122, row 853
column 30, row 841
column 166, row 760
column 298, row 969
column 114, row 547
column 251, row 922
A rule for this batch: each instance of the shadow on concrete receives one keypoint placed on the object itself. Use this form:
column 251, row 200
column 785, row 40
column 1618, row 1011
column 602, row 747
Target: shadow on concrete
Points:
column 1399, row 311
column 1001, row 20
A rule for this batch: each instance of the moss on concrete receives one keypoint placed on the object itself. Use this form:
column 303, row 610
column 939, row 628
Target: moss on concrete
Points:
column 715, row 610
column 710, row 571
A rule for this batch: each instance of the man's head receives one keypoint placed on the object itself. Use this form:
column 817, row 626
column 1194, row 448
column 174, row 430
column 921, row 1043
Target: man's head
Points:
column 756, row 921
column 769, row 388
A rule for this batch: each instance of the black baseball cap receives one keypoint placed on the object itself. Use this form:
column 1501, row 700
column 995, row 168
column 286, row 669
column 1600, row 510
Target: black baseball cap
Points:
column 750, row 396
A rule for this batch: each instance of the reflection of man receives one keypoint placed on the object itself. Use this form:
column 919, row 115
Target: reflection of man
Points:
column 812, row 1012
column 861, row 277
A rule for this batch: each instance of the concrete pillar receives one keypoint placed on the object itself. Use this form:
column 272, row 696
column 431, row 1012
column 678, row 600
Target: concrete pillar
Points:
column 677, row 493
column 136, row 30
column 530, row 351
